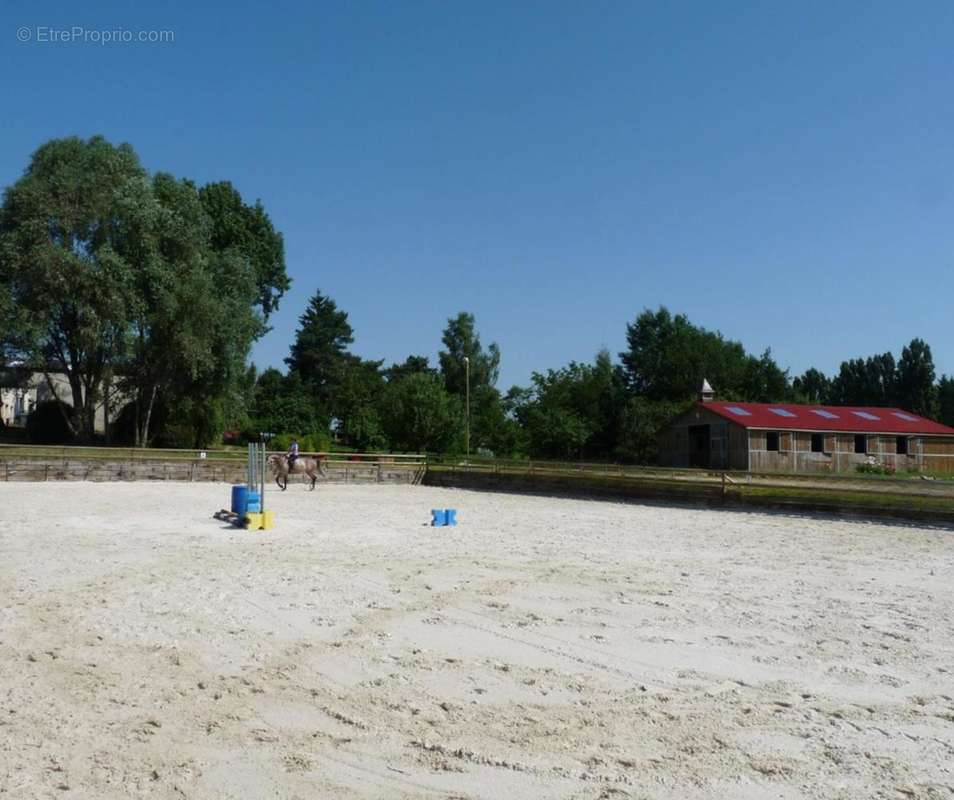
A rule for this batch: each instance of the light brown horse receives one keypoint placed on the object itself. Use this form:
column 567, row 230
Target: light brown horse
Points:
column 304, row 465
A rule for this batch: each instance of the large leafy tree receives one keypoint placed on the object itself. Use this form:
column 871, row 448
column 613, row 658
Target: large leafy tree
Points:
column 355, row 404
column 119, row 276
column 571, row 412
column 417, row 414
column 282, row 405
column 248, row 232
column 319, row 353
column 194, row 319
column 667, row 358
column 763, row 380
column 61, row 262
column 916, row 390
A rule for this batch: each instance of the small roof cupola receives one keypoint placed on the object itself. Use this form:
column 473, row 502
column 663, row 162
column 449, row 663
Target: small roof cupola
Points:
column 706, row 394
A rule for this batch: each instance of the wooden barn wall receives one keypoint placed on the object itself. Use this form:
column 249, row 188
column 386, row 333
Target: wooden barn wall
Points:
column 673, row 444
column 930, row 454
column 673, row 441
column 738, row 447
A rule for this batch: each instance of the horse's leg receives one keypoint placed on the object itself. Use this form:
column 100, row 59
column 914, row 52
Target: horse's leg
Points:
column 278, row 480
column 314, row 478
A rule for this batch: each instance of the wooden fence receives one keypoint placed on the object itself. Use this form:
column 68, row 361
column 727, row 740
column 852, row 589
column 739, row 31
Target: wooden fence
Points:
column 118, row 464
column 903, row 498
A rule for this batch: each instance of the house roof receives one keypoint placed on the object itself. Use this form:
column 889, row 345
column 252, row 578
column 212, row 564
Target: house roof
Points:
column 854, row 419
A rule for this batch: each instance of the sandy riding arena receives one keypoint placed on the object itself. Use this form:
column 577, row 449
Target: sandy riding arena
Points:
column 543, row 648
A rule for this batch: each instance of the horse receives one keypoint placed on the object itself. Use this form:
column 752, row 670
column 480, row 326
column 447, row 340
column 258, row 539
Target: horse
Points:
column 303, row 465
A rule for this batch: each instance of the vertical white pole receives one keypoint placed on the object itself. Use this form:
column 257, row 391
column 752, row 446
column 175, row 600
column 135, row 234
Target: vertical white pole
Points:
column 467, row 405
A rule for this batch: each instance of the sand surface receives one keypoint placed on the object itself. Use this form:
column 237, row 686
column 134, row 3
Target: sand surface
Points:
column 544, row 648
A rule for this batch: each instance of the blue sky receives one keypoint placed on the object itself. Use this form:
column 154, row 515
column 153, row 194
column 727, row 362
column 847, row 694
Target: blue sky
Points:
column 783, row 173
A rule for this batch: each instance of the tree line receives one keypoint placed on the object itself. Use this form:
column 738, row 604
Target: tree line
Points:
column 147, row 291
column 600, row 410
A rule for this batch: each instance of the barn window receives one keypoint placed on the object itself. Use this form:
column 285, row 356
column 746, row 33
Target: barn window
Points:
column 861, row 443
column 771, row 441
column 902, row 445
column 818, row 443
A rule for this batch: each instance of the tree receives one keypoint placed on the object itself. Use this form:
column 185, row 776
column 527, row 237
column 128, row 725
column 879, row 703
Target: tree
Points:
column 417, row 414
column 640, row 422
column 319, row 354
column 945, row 391
column 282, row 405
column 119, row 277
column 866, row 382
column 462, row 341
column 411, row 366
column 355, row 405
column 247, row 231
column 193, row 320
column 813, row 387
column 916, row 390
column 571, row 412
column 763, row 380
column 667, row 358
column 60, row 263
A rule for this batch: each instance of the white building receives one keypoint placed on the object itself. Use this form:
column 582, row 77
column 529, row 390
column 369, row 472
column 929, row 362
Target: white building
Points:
column 19, row 397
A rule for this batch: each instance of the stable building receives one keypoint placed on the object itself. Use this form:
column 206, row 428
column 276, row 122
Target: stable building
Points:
column 784, row 437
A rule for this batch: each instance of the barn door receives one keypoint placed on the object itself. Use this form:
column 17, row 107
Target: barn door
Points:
column 720, row 446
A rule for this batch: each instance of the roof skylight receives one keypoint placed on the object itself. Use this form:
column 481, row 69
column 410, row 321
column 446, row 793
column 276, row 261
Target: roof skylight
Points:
column 739, row 412
column 905, row 417
column 781, row 412
column 866, row 415
column 823, row 413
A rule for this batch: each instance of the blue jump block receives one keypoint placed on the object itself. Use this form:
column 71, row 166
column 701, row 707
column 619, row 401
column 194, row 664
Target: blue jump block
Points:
column 450, row 516
column 438, row 517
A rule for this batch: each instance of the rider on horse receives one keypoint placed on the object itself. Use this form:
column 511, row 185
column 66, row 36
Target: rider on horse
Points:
column 292, row 454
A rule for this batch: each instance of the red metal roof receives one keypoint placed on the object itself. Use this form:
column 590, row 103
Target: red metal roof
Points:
column 788, row 416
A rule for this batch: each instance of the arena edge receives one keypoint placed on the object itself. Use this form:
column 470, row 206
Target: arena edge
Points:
column 836, row 499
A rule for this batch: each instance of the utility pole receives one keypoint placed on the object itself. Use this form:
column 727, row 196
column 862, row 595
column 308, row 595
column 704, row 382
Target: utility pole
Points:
column 467, row 406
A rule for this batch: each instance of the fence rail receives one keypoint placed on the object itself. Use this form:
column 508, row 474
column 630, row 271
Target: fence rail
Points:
column 115, row 464
column 865, row 481
column 42, row 463
column 533, row 466
column 163, row 453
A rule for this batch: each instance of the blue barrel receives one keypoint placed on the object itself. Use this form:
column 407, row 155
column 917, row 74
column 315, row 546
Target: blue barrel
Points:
column 240, row 499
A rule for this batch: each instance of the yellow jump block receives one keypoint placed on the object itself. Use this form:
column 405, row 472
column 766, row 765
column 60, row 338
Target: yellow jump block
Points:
column 260, row 522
